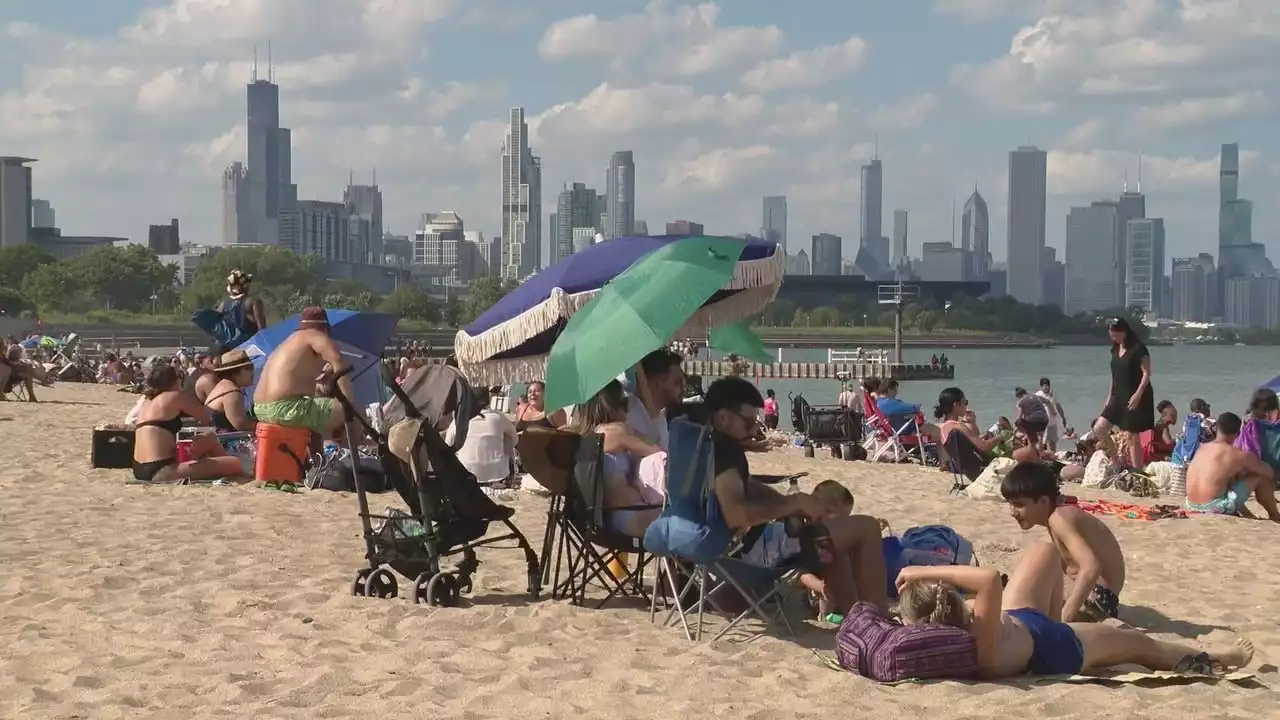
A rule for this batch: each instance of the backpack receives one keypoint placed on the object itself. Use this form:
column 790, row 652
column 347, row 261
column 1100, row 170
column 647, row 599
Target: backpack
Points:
column 935, row 545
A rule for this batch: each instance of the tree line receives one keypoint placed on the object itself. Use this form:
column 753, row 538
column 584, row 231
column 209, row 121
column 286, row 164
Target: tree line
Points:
column 131, row 279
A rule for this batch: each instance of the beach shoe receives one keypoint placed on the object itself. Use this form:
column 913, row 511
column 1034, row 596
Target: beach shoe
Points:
column 284, row 487
column 1198, row 664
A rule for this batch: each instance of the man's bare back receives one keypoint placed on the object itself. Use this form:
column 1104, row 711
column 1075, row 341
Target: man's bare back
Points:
column 292, row 369
column 1097, row 536
column 1215, row 466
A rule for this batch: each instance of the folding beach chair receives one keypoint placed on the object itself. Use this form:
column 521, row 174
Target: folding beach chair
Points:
column 965, row 461
column 694, row 547
column 581, row 540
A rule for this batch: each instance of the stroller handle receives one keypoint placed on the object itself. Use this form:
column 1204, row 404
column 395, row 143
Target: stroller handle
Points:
column 349, row 407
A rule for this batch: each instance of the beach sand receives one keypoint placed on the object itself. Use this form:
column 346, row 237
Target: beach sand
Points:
column 120, row 601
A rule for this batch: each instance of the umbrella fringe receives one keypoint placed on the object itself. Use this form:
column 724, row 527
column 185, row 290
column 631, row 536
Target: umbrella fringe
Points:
column 763, row 275
column 526, row 369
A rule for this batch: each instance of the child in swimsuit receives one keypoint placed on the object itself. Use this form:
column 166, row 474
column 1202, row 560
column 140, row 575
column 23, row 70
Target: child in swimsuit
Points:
column 1018, row 629
column 1091, row 553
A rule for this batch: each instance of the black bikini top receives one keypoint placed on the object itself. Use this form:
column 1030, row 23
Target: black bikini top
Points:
column 172, row 425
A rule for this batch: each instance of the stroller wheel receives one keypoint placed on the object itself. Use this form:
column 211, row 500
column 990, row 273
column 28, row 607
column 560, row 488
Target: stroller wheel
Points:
column 420, row 585
column 357, row 584
column 442, row 591
column 380, row 584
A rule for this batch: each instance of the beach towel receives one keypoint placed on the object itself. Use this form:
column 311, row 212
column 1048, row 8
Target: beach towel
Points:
column 1130, row 511
column 1262, row 438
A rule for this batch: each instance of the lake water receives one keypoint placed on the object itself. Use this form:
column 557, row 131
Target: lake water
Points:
column 1224, row 376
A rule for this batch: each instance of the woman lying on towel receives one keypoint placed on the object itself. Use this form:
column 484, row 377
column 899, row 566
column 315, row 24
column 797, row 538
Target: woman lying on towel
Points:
column 1019, row 630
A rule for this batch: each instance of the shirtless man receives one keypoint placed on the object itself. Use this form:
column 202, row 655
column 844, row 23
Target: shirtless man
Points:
column 1221, row 477
column 286, row 393
column 1091, row 555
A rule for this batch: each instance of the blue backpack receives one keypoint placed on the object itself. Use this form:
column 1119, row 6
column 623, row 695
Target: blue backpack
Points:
column 926, row 545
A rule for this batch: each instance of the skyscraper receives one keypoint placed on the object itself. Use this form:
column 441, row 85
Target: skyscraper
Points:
column 271, row 189
column 364, row 202
column 975, row 237
column 521, row 201
column 1093, row 280
column 1238, row 254
column 578, row 208
column 620, row 189
column 1193, row 288
column 42, row 214
column 899, row 238
column 237, row 225
column 872, row 201
column 827, row 254
column 1028, row 177
column 15, row 201
column 1144, row 266
column 773, row 224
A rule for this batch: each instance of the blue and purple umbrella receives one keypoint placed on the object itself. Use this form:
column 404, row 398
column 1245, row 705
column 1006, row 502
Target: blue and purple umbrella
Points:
column 510, row 341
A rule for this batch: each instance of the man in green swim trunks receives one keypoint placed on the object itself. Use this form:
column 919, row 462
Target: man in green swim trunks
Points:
column 286, row 392
column 1221, row 477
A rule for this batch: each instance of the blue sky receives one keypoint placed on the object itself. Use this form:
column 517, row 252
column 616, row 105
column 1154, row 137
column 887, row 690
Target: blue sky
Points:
column 134, row 108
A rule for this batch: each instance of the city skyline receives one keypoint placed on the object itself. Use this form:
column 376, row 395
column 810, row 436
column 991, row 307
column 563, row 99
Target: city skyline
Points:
column 147, row 111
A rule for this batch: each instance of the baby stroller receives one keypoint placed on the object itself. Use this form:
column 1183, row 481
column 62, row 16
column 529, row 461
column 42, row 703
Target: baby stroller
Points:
column 449, row 514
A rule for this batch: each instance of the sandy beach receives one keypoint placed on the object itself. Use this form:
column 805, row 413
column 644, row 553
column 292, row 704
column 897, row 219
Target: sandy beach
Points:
column 121, row 601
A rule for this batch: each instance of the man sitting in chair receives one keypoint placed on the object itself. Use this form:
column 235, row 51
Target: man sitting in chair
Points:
column 857, row 572
column 14, row 372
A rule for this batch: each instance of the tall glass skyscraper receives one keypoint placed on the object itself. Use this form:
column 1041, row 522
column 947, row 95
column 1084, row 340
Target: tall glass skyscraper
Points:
column 773, row 223
column 975, row 235
column 1028, row 178
column 521, row 201
column 620, row 193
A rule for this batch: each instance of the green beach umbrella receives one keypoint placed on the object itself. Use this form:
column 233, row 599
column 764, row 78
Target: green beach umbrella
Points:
column 738, row 339
column 636, row 313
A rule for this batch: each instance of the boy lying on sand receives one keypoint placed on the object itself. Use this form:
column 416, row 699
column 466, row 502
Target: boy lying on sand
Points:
column 1090, row 554
column 1018, row 631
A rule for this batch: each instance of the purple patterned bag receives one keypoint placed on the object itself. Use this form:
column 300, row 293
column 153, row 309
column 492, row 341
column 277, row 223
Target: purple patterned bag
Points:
column 872, row 646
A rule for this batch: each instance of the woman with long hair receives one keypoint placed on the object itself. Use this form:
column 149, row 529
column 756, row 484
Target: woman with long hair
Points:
column 155, row 450
column 953, row 415
column 624, row 499
column 1130, row 406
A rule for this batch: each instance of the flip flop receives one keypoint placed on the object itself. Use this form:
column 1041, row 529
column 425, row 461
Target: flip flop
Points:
column 1199, row 664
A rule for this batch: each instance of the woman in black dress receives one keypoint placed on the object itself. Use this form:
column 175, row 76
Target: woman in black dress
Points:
column 1131, row 406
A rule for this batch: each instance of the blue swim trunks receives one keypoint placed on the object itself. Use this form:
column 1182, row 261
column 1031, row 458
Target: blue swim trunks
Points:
column 1055, row 649
column 1229, row 503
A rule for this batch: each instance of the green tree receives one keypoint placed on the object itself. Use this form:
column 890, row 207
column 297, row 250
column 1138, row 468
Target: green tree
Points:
column 17, row 262
column 123, row 278
column 927, row 320
column 824, row 317
column 451, row 312
column 56, row 287
column 779, row 313
column 483, row 294
column 411, row 303
column 280, row 277
column 12, row 302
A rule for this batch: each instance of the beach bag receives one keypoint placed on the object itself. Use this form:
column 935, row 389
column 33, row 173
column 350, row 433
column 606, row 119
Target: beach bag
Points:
column 872, row 646
column 935, row 545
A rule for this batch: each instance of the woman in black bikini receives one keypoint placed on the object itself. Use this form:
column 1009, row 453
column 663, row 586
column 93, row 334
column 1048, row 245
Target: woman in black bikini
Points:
column 155, row 450
column 226, row 399
column 533, row 413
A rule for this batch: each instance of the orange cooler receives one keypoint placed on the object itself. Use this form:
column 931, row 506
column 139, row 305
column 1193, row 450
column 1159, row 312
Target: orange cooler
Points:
column 281, row 453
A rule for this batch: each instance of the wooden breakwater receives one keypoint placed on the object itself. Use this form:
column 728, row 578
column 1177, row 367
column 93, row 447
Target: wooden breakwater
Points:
column 820, row 370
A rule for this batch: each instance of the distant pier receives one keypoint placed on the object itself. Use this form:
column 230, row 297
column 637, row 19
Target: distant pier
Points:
column 852, row 371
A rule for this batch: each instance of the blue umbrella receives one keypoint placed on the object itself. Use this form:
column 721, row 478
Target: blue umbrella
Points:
column 509, row 342
column 1274, row 384
column 361, row 337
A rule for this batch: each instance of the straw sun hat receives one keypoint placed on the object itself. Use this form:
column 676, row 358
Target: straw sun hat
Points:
column 234, row 360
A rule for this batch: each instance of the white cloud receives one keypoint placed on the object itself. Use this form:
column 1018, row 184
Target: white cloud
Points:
column 717, row 169
column 1194, row 112
column 1082, row 173
column 909, row 113
column 808, row 68
column 681, row 41
column 618, row 111
column 1130, row 47
column 1084, row 135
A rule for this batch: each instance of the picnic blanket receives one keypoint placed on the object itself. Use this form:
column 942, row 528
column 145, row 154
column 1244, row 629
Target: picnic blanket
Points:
column 1130, row 511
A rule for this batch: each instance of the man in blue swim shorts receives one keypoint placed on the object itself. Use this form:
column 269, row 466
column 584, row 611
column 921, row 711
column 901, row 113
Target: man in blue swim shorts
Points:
column 1221, row 476
column 1017, row 631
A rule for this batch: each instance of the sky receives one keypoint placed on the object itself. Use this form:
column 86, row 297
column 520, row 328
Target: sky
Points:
column 134, row 108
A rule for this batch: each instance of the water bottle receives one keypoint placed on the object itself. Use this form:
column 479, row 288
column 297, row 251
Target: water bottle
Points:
column 794, row 524
column 793, row 486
